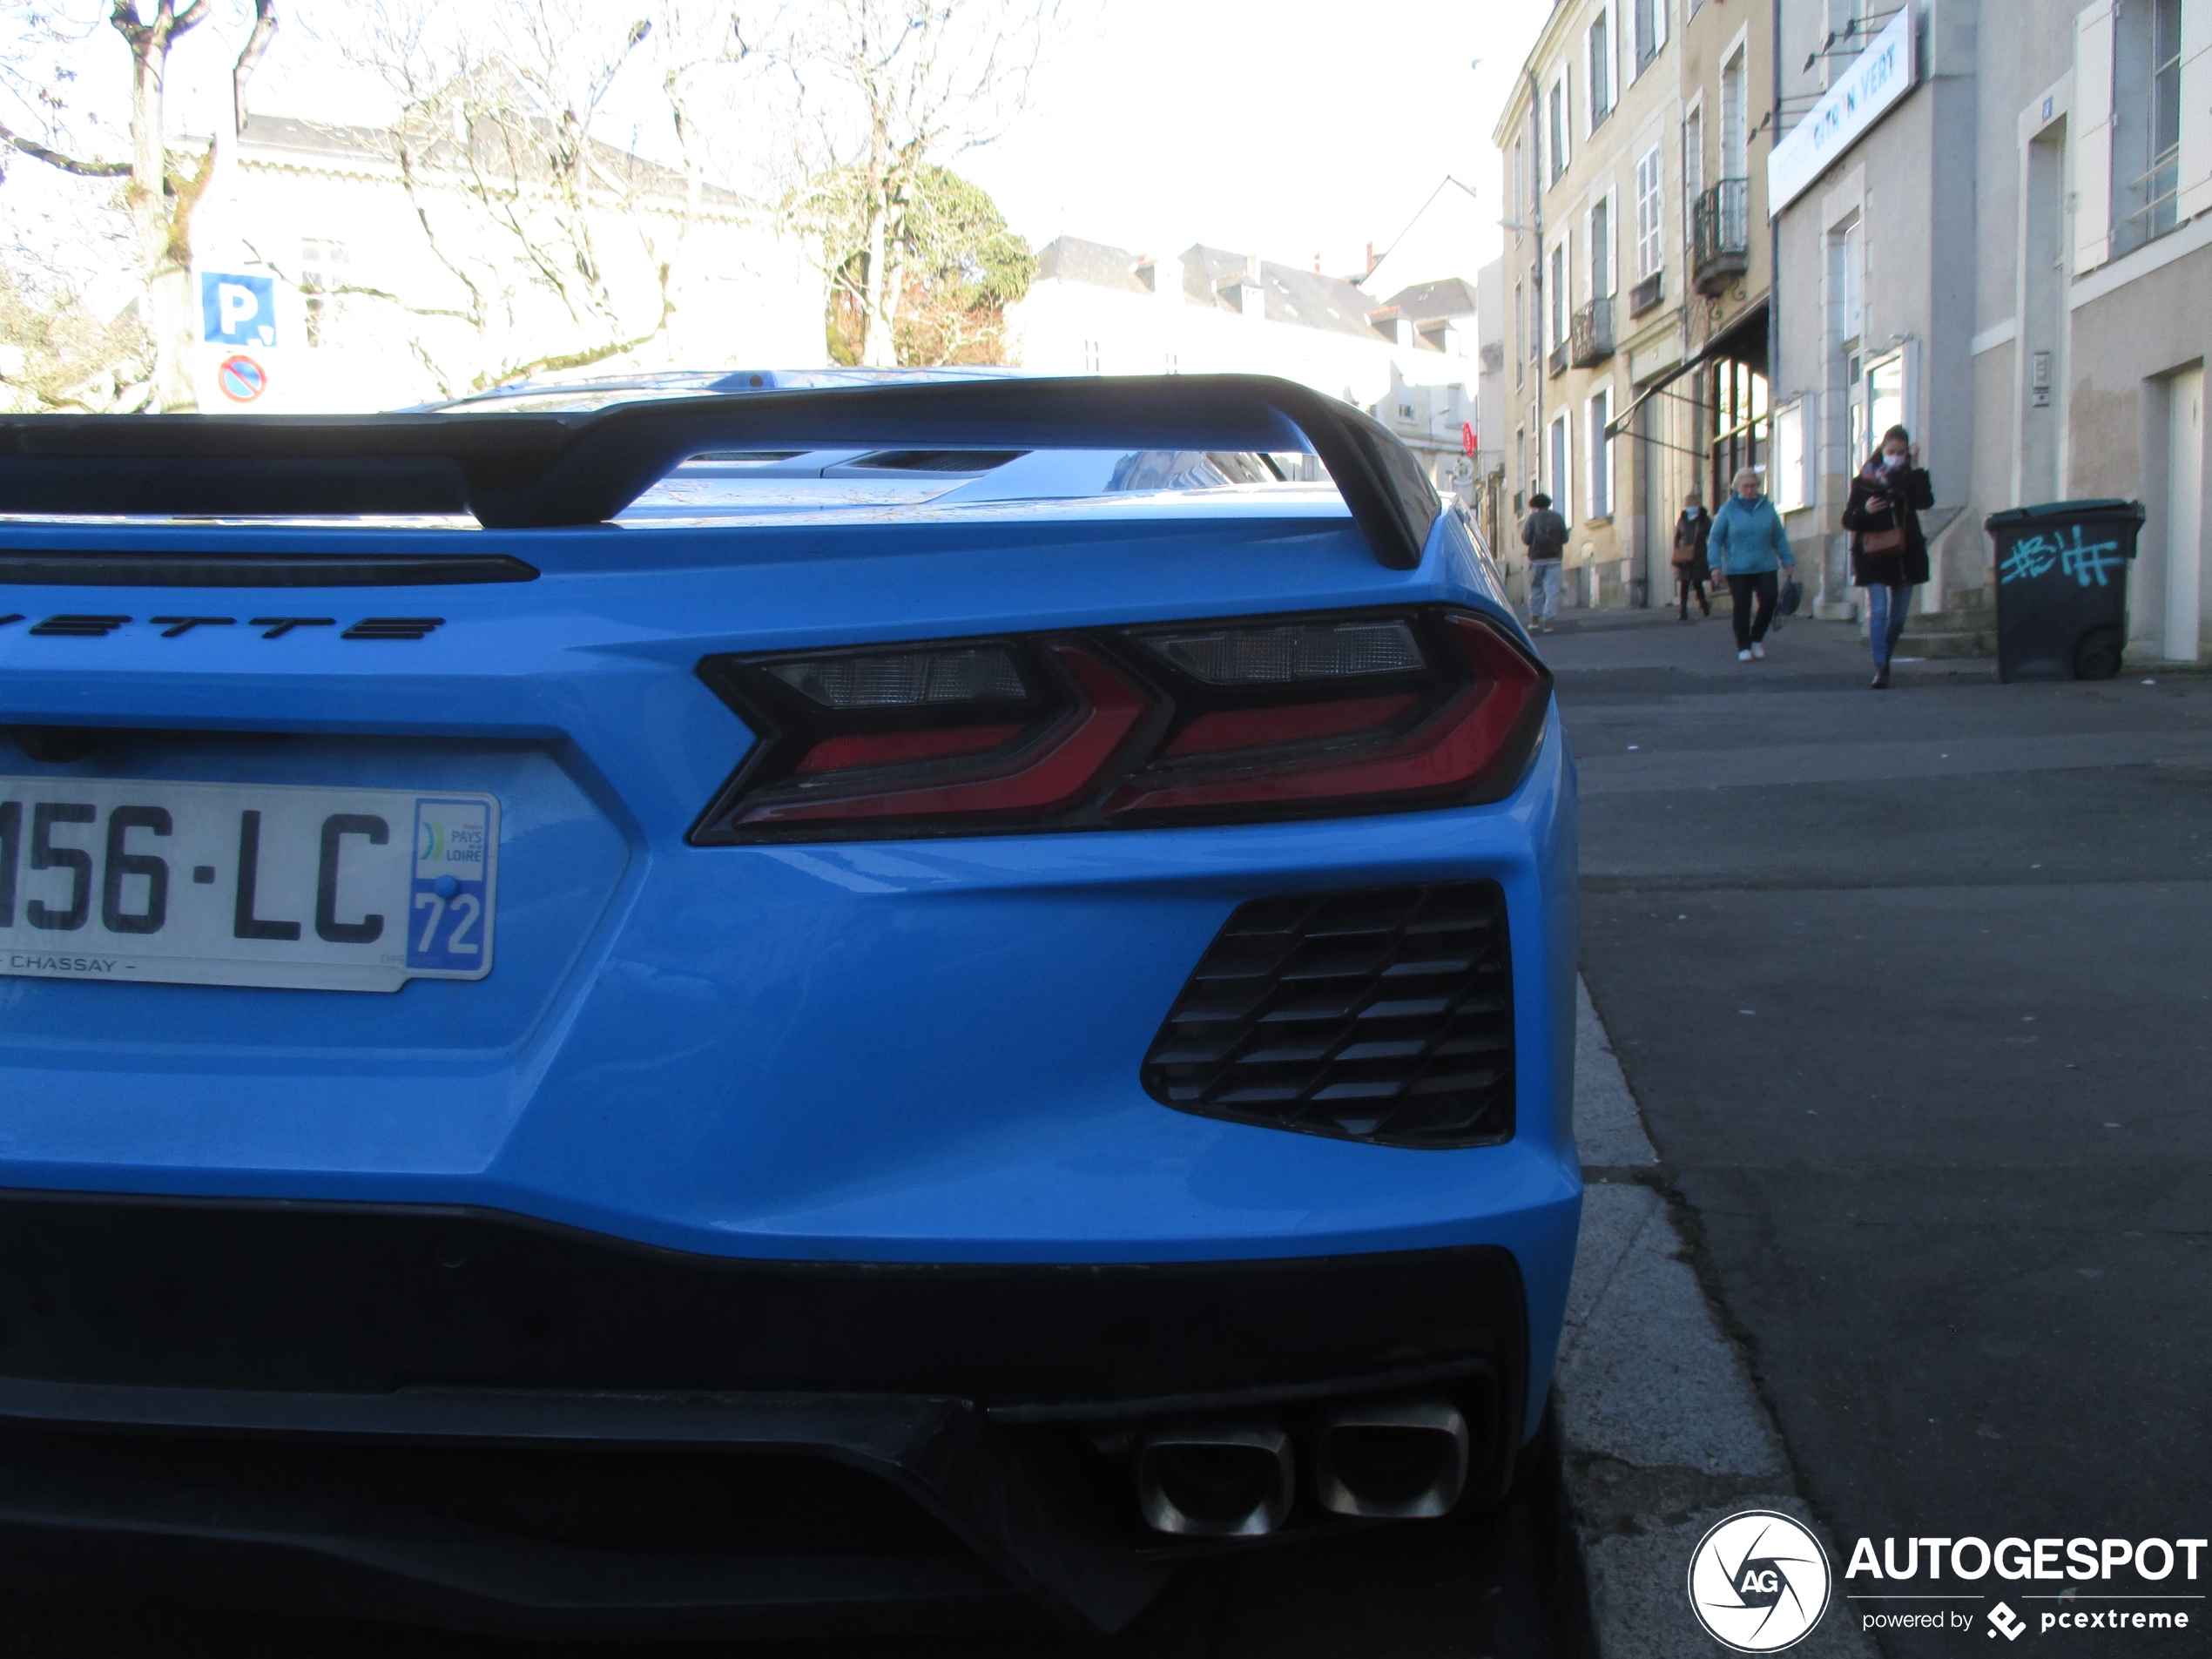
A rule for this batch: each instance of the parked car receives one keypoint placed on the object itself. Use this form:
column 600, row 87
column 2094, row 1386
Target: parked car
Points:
column 595, row 1041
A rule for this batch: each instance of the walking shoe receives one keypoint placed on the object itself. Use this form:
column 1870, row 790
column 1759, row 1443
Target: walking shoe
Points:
column 1742, row 655
column 1759, row 651
column 1882, row 677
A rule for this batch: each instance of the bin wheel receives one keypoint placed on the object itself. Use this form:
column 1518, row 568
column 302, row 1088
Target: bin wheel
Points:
column 2096, row 654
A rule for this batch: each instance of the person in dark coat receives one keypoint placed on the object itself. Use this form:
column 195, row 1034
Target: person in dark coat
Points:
column 1889, row 552
column 1544, row 534
column 1692, row 571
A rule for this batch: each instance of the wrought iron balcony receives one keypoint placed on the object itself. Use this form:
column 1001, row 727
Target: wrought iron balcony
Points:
column 1590, row 336
column 1722, row 226
column 1647, row 293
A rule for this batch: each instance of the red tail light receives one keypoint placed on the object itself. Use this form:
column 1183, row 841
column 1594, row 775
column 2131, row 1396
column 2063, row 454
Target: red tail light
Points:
column 1195, row 723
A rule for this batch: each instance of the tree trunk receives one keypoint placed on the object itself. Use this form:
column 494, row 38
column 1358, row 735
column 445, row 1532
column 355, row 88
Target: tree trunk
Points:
column 878, row 351
column 161, row 206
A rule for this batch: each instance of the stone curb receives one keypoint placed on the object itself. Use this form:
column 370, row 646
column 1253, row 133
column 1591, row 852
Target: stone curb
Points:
column 1663, row 1430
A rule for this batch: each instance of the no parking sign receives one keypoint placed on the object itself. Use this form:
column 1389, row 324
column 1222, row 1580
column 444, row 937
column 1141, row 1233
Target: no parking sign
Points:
column 240, row 379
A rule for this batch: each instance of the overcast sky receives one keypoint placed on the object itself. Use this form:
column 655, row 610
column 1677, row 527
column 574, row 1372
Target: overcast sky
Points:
column 1287, row 129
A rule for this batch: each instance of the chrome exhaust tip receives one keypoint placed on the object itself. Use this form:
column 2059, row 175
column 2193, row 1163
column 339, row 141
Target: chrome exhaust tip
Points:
column 1402, row 1459
column 1215, row 1477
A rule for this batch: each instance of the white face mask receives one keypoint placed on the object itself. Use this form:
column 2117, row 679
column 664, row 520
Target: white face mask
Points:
column 1891, row 462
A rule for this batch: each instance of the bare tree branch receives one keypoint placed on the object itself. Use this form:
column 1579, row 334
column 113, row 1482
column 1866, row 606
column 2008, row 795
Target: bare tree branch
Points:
column 67, row 163
column 249, row 58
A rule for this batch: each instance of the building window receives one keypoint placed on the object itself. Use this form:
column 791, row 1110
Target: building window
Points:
column 1733, row 137
column 322, row 269
column 1786, row 478
column 1649, row 208
column 1736, row 394
column 1651, row 30
column 1555, row 125
column 1521, row 459
column 1693, row 166
column 1601, row 235
column 1520, row 333
column 1600, row 70
column 1092, row 357
column 1519, row 181
column 1562, row 469
column 1558, row 292
column 2146, row 120
column 1600, row 456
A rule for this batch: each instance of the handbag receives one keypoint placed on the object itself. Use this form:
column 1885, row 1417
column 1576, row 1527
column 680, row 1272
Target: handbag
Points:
column 1891, row 539
column 1685, row 543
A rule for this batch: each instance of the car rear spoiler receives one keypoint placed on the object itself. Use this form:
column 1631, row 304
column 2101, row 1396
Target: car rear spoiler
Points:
column 539, row 471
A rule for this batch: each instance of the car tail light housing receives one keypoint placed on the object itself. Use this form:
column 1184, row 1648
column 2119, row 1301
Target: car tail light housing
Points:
column 1237, row 720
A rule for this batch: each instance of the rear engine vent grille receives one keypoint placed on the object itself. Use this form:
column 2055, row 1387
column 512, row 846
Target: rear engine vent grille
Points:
column 1383, row 1015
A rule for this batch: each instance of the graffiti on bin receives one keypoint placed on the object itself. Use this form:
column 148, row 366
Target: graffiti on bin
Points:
column 2037, row 556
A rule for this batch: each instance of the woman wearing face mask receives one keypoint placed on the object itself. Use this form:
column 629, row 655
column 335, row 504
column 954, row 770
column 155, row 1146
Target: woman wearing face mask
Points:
column 1691, row 571
column 1889, row 554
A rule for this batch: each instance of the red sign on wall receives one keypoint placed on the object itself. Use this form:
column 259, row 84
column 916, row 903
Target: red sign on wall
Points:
column 1467, row 436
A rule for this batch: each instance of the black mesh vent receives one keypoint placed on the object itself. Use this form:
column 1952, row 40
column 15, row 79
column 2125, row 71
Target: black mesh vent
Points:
column 1383, row 1015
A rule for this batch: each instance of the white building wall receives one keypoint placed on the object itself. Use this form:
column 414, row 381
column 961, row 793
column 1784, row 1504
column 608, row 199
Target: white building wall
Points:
column 1073, row 328
column 745, row 295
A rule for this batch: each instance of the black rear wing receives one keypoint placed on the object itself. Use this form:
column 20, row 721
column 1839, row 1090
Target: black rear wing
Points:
column 542, row 470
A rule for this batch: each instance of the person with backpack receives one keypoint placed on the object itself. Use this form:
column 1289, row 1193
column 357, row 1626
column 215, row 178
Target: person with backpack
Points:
column 1889, row 552
column 1692, row 570
column 1544, row 534
column 1749, row 546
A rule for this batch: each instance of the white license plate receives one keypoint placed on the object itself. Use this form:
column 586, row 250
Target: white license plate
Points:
column 244, row 884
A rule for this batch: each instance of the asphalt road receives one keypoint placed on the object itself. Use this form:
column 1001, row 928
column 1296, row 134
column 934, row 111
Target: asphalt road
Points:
column 1915, row 991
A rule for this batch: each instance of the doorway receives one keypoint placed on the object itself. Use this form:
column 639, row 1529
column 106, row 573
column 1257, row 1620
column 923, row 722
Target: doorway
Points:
column 2184, row 515
column 2042, row 332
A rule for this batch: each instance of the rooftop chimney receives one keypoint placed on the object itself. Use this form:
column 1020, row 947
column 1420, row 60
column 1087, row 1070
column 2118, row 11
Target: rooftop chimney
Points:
column 1246, row 291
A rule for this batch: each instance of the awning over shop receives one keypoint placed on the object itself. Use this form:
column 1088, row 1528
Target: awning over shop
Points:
column 1742, row 341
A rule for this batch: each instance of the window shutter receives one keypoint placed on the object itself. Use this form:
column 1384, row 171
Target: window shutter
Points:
column 2091, row 135
column 2195, row 180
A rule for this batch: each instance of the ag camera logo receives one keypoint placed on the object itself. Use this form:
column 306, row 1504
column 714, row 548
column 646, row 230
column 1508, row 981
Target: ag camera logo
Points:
column 1759, row 1581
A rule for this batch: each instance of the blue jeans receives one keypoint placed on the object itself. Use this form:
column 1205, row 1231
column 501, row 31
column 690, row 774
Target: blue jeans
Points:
column 1544, row 579
column 1886, row 609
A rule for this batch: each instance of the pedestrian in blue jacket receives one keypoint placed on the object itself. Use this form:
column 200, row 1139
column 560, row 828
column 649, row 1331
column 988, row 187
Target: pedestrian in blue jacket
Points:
column 1749, row 547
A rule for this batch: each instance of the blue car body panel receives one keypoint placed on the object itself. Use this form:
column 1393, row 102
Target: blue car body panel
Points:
column 896, row 1051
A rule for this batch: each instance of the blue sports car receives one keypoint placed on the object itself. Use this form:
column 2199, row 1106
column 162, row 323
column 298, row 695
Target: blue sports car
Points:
column 766, row 1002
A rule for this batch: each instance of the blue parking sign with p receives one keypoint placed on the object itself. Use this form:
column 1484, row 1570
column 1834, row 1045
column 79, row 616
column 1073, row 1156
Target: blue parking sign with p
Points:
column 238, row 310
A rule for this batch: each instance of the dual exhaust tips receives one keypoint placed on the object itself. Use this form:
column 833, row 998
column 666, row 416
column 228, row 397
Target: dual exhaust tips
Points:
column 1393, row 1459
